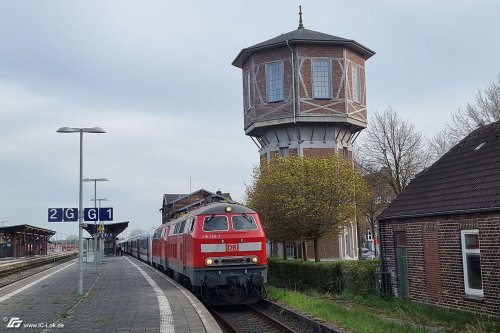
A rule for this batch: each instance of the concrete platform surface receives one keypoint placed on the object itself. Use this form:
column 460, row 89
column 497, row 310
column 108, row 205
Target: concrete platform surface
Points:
column 122, row 295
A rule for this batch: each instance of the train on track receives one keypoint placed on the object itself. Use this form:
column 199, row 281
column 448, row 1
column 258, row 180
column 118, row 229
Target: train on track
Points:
column 217, row 251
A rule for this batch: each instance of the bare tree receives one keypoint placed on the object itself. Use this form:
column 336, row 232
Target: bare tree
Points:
column 485, row 110
column 443, row 141
column 380, row 195
column 395, row 147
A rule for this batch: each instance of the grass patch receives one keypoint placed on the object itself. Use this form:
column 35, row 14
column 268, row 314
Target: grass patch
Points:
column 450, row 320
column 373, row 314
column 351, row 319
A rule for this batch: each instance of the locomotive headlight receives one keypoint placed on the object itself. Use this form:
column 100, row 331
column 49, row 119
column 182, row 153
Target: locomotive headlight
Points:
column 255, row 260
column 209, row 261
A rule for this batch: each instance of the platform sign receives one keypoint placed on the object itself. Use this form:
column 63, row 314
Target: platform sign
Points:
column 63, row 214
column 55, row 214
column 90, row 214
column 106, row 214
column 70, row 214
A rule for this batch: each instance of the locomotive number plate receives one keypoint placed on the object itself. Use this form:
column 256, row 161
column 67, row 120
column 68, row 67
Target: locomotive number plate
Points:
column 231, row 247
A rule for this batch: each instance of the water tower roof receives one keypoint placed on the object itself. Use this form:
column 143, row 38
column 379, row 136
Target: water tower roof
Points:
column 300, row 36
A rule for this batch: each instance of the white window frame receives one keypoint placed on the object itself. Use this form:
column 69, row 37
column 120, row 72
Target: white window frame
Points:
column 322, row 84
column 356, row 89
column 468, row 290
column 249, row 91
column 275, row 81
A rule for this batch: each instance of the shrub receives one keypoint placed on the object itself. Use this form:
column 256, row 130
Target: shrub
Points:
column 356, row 277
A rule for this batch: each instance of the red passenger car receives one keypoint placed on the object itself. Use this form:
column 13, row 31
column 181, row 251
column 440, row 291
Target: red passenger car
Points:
column 159, row 246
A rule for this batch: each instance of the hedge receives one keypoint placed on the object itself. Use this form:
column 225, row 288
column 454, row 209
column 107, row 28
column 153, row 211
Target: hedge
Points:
column 353, row 276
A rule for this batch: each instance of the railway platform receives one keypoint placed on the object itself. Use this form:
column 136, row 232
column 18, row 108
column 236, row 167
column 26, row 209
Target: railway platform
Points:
column 122, row 295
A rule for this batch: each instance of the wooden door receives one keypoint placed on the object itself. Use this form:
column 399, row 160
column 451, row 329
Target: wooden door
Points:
column 401, row 264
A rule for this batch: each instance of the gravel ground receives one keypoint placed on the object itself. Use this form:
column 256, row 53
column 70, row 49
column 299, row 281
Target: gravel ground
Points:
column 23, row 274
column 297, row 321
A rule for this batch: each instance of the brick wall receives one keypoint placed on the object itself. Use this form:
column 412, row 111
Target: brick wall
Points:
column 261, row 110
column 435, row 266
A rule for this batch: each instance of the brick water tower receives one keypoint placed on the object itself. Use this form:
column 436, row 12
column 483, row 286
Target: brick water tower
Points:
column 304, row 93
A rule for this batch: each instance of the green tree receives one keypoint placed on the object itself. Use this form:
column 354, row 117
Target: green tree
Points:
column 305, row 198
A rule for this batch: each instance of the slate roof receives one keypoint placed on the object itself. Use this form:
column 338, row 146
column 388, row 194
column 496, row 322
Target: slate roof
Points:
column 464, row 180
column 300, row 36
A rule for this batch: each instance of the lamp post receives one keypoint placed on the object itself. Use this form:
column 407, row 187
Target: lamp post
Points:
column 80, row 201
column 101, row 242
column 95, row 180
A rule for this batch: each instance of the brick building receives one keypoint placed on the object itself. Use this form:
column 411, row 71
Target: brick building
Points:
column 440, row 236
column 304, row 94
column 175, row 205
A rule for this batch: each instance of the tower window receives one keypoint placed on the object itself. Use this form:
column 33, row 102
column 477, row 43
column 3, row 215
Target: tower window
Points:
column 284, row 152
column 274, row 76
column 321, row 78
column 248, row 99
column 356, row 91
column 345, row 153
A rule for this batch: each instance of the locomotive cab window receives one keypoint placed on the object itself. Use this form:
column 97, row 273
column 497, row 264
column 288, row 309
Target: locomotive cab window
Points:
column 172, row 230
column 243, row 222
column 181, row 227
column 215, row 223
column 190, row 227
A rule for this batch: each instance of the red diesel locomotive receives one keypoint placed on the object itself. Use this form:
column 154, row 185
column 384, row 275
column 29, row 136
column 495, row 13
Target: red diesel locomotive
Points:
column 218, row 251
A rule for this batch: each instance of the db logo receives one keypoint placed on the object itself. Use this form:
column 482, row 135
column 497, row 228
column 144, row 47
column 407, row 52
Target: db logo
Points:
column 232, row 247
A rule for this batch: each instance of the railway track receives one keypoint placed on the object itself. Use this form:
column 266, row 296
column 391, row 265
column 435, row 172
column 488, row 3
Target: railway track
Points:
column 247, row 319
column 15, row 273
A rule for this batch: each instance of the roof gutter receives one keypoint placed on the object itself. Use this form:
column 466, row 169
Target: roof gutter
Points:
column 442, row 213
column 293, row 85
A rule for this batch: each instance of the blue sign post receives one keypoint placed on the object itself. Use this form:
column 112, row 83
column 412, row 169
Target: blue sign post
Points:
column 106, row 214
column 63, row 214
column 91, row 214
column 70, row 214
column 55, row 214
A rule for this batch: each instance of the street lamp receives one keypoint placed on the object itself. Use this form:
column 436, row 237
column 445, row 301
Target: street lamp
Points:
column 80, row 202
column 103, row 199
column 95, row 180
column 101, row 241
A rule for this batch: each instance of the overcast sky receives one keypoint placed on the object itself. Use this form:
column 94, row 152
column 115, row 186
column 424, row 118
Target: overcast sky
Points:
column 157, row 76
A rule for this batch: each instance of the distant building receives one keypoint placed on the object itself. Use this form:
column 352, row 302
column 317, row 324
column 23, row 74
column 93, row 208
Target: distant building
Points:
column 304, row 93
column 440, row 236
column 175, row 205
column 24, row 240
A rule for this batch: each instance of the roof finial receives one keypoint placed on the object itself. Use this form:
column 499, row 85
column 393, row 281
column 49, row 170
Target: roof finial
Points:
column 301, row 26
